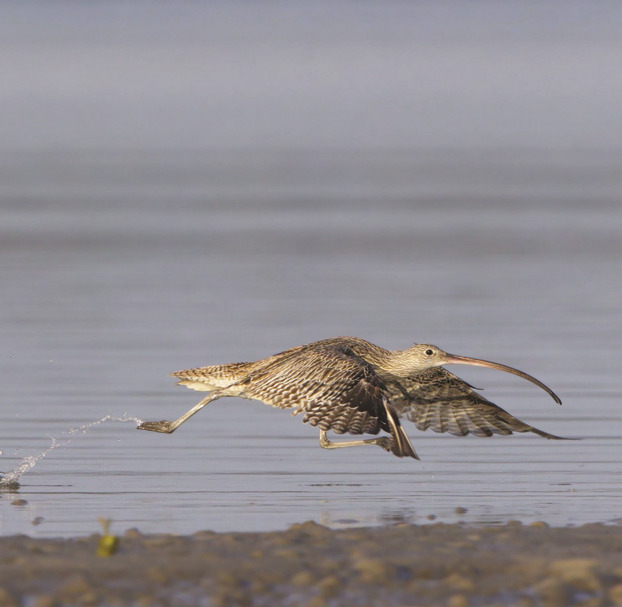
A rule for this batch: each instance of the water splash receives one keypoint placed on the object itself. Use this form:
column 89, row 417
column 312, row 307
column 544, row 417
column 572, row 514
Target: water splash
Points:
column 10, row 480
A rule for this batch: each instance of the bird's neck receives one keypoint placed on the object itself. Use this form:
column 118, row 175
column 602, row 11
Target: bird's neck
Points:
column 397, row 362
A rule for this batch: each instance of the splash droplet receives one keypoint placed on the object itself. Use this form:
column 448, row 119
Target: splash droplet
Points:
column 10, row 481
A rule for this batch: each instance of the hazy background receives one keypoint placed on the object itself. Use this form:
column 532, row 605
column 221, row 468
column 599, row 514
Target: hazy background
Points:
column 308, row 75
column 190, row 183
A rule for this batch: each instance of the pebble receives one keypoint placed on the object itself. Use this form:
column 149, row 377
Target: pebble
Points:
column 7, row 599
column 132, row 533
column 460, row 583
column 329, row 587
column 303, row 578
column 458, row 600
column 43, row 601
column 615, row 594
column 552, row 592
column 374, row 571
column 577, row 572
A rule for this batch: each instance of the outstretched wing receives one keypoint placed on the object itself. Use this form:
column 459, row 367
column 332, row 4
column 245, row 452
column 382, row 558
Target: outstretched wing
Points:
column 439, row 400
column 334, row 388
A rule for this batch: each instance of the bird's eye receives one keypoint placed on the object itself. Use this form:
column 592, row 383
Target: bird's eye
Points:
column 429, row 352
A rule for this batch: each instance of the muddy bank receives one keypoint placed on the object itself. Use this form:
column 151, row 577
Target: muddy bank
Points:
column 314, row 566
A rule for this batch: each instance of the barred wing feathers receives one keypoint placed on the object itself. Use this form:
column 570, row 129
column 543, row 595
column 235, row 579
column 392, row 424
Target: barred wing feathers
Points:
column 334, row 388
column 439, row 400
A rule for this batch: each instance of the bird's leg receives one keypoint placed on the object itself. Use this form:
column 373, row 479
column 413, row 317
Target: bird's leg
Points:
column 169, row 427
column 382, row 441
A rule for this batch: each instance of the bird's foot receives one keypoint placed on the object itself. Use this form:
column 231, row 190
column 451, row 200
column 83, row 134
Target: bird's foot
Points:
column 385, row 442
column 161, row 426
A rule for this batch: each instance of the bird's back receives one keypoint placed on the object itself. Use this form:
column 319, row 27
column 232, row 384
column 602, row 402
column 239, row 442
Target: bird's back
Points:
column 315, row 378
column 306, row 358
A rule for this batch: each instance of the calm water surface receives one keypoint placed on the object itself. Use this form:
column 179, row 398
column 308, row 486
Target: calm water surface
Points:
column 118, row 268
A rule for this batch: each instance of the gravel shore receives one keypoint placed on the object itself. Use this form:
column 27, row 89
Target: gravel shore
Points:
column 311, row 565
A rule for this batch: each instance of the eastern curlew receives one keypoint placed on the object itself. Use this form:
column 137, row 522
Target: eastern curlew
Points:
column 347, row 384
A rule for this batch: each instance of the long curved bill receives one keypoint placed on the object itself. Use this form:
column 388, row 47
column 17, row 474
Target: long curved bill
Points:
column 453, row 359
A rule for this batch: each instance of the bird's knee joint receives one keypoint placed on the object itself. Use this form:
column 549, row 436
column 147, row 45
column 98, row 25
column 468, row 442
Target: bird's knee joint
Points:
column 385, row 443
column 324, row 442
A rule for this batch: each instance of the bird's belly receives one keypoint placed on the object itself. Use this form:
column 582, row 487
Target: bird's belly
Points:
column 197, row 385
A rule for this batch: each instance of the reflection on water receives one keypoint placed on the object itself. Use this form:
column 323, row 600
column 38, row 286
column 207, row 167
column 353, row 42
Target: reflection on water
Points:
column 118, row 269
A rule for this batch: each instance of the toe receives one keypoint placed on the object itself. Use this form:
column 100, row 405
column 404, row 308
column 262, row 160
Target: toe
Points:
column 161, row 426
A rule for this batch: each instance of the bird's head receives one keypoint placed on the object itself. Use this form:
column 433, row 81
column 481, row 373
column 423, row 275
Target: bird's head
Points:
column 421, row 357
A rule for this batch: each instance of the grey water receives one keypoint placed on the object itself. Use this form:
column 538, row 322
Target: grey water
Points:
column 9, row 481
column 158, row 217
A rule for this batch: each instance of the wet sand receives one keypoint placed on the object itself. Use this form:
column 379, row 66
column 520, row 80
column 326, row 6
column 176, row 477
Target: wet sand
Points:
column 311, row 565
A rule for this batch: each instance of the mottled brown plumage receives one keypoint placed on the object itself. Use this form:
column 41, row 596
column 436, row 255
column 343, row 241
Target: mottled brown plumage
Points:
column 439, row 400
column 349, row 385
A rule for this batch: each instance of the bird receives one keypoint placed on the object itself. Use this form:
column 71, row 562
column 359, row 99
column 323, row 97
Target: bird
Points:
column 350, row 385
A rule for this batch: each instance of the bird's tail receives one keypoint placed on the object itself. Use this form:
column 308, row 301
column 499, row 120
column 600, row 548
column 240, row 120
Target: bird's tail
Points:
column 213, row 377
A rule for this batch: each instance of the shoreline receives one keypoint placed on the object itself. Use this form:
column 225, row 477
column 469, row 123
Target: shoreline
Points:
column 308, row 564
